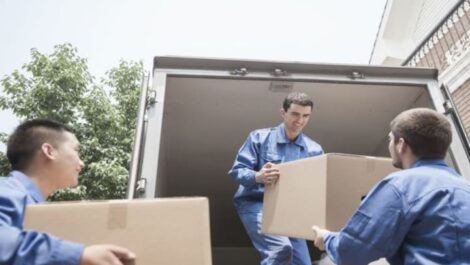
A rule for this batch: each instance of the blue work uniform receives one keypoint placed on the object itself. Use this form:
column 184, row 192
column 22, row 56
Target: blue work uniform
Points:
column 263, row 146
column 26, row 247
column 420, row 215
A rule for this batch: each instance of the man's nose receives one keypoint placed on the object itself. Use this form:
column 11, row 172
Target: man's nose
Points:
column 82, row 165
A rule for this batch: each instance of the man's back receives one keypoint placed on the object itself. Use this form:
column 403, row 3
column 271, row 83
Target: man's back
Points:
column 16, row 191
column 416, row 216
column 436, row 215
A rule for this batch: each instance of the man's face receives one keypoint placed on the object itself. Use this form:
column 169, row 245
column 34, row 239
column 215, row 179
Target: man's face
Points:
column 295, row 118
column 68, row 163
column 392, row 148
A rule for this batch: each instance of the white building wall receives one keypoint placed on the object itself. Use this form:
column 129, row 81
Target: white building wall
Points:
column 404, row 25
column 430, row 14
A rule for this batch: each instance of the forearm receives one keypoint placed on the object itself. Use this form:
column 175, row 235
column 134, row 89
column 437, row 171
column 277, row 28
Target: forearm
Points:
column 244, row 176
column 346, row 249
column 30, row 247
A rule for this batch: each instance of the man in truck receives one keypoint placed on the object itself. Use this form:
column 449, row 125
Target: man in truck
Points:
column 44, row 157
column 256, row 166
column 419, row 215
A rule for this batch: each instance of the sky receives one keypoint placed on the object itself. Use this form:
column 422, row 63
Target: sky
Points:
column 106, row 31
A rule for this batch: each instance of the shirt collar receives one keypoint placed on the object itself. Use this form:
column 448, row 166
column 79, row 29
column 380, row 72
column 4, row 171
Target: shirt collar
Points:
column 30, row 186
column 422, row 162
column 282, row 137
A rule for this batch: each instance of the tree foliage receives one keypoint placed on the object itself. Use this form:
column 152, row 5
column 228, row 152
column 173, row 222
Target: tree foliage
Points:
column 4, row 165
column 59, row 86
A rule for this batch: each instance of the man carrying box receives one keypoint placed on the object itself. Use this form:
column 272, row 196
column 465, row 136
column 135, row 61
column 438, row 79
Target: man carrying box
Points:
column 44, row 156
column 255, row 166
column 419, row 215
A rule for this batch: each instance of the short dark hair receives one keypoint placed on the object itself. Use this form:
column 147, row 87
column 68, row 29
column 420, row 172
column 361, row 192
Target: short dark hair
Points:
column 28, row 137
column 298, row 98
column 427, row 132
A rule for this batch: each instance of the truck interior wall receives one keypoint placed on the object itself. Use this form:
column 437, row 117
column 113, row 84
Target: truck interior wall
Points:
column 421, row 99
column 162, row 180
column 206, row 120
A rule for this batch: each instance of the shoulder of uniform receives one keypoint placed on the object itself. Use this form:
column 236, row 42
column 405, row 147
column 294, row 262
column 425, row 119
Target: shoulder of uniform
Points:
column 262, row 133
column 311, row 144
column 11, row 188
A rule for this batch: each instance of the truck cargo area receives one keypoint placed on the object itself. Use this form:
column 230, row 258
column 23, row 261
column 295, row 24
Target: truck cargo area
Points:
column 203, row 113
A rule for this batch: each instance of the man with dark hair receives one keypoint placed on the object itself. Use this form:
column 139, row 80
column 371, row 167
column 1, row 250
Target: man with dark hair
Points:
column 44, row 156
column 420, row 215
column 255, row 166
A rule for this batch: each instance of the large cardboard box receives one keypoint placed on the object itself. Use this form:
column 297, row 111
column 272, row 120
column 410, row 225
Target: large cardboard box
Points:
column 173, row 231
column 323, row 190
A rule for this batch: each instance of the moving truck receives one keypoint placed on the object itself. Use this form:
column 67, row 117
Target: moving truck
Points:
column 196, row 114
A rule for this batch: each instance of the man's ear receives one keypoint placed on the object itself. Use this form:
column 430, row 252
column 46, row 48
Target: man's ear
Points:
column 48, row 151
column 402, row 146
column 282, row 112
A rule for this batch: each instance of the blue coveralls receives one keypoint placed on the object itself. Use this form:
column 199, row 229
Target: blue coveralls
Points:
column 20, row 247
column 262, row 146
column 420, row 215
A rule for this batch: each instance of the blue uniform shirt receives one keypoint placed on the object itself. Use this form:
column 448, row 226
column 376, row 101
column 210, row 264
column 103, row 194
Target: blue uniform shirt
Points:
column 20, row 247
column 420, row 215
column 262, row 146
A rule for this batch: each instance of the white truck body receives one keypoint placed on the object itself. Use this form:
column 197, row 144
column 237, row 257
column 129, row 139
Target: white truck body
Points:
column 198, row 112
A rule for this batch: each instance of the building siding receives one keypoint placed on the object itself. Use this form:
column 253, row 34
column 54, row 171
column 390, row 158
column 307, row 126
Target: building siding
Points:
column 461, row 97
column 446, row 47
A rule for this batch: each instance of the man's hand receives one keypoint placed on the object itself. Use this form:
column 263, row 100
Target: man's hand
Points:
column 106, row 255
column 268, row 174
column 319, row 235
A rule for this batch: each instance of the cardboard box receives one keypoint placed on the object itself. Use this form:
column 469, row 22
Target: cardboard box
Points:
column 170, row 231
column 324, row 190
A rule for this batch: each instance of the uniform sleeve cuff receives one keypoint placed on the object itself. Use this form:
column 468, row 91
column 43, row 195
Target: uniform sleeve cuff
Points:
column 330, row 251
column 252, row 180
column 67, row 253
